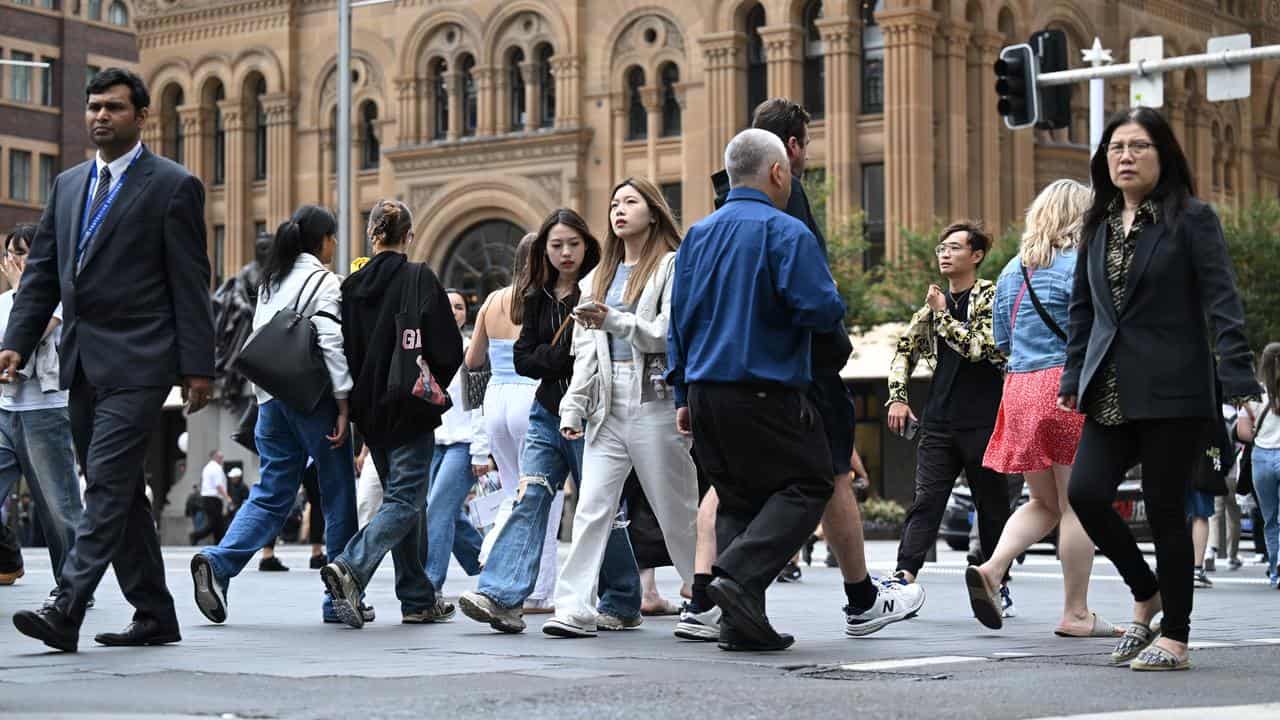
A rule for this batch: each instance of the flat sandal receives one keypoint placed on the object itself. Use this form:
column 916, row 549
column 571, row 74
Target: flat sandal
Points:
column 1132, row 643
column 1158, row 659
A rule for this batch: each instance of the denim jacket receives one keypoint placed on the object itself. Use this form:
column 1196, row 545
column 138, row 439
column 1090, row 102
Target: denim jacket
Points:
column 1029, row 343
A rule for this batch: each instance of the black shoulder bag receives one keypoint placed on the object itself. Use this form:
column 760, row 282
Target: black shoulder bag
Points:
column 410, row 376
column 284, row 356
column 1044, row 314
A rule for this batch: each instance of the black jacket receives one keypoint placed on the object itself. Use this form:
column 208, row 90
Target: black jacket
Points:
column 370, row 300
column 535, row 356
column 138, row 312
column 1160, row 340
column 830, row 350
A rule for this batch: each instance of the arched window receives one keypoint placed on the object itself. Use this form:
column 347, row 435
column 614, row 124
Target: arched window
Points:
column 815, row 94
column 1216, row 133
column 470, row 104
column 371, row 154
column 757, row 73
column 440, row 91
column 546, row 87
column 872, row 58
column 171, row 122
column 95, row 10
column 1229, row 165
column 515, row 79
column 118, row 14
column 259, row 130
column 481, row 260
column 219, row 138
column 637, row 118
column 670, row 75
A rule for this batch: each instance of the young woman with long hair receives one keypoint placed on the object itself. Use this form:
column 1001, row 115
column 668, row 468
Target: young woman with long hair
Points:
column 296, row 269
column 563, row 251
column 619, row 393
column 1258, row 423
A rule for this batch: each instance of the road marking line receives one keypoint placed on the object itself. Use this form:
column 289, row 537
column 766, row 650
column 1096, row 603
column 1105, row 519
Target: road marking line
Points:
column 1013, row 654
column 1262, row 711
column 1266, row 641
column 1201, row 644
column 907, row 663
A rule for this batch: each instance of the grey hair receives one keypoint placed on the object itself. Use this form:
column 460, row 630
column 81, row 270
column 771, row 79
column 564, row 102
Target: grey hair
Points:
column 750, row 154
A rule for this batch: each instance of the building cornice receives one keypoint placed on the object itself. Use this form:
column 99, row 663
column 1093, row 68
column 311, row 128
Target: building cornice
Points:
column 161, row 23
column 490, row 152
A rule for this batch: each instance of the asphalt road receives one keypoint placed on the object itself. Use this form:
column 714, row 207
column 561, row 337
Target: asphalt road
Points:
column 274, row 659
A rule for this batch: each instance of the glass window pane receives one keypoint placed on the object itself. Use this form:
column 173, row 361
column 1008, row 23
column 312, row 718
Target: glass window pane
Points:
column 637, row 116
column 20, row 175
column 20, row 77
column 46, row 83
column 48, row 171
column 873, row 213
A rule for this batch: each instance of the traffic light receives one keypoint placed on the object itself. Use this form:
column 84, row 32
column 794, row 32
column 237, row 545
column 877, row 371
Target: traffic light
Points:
column 1016, row 85
column 1055, row 101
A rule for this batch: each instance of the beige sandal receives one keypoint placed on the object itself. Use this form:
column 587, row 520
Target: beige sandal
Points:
column 1158, row 659
column 1101, row 628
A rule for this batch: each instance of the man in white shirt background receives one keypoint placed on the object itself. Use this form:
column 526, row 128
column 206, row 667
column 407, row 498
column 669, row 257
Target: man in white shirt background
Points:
column 213, row 492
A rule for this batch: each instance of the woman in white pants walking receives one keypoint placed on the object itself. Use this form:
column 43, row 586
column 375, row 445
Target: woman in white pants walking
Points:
column 619, row 391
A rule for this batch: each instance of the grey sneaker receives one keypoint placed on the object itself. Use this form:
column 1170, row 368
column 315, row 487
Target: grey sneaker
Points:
column 482, row 608
column 702, row 626
column 570, row 627
column 1201, row 580
column 438, row 613
column 345, row 591
column 606, row 621
column 211, row 592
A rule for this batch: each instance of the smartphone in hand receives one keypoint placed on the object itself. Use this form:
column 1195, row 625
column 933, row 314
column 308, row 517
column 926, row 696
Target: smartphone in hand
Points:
column 913, row 427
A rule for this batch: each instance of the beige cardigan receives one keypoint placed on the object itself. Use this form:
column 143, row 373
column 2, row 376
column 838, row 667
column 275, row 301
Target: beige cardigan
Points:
column 590, row 392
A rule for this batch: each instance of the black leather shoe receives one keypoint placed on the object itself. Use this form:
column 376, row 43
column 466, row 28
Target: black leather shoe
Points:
column 745, row 612
column 140, row 632
column 49, row 626
column 732, row 641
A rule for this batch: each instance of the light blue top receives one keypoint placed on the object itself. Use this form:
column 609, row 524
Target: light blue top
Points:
column 1028, row 342
column 502, row 362
column 619, row 349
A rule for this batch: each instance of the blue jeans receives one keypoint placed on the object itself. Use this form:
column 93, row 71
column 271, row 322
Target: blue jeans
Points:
column 448, row 526
column 397, row 526
column 546, row 460
column 37, row 444
column 1266, row 481
column 286, row 438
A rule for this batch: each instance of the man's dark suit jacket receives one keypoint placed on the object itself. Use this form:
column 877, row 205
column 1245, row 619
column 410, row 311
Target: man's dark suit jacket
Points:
column 138, row 313
column 1160, row 340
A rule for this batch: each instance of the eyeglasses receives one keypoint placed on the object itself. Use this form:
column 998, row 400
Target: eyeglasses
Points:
column 1138, row 148
column 944, row 249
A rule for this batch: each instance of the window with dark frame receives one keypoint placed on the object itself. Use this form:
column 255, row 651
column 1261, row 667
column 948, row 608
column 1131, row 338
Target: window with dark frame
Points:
column 48, row 171
column 637, row 117
column 46, row 83
column 872, row 58
column 20, row 77
column 757, row 70
column 470, row 98
column 873, row 214
column 259, row 131
column 440, row 90
column 815, row 73
column 546, row 88
column 20, row 176
column 671, row 120
column 371, row 151
column 516, row 82
column 673, row 193
column 219, row 139
column 219, row 252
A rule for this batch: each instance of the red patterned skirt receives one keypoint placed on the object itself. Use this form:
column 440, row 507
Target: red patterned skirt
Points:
column 1031, row 433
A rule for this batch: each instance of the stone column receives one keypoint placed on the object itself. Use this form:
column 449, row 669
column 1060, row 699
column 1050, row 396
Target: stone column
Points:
column 407, row 132
column 153, row 138
column 842, row 45
column 618, row 114
column 487, row 116
column 567, row 72
column 651, row 98
column 989, row 45
column 532, row 95
column 726, row 83
column 196, row 125
column 784, row 53
column 427, row 99
column 279, row 111
column 956, row 38
column 238, row 164
column 453, row 82
column 908, row 123
column 501, row 102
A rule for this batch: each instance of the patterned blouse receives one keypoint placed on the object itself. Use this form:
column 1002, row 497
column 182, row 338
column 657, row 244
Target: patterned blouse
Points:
column 1104, row 397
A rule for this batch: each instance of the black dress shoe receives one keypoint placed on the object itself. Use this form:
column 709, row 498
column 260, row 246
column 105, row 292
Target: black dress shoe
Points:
column 49, row 626
column 743, row 611
column 318, row 561
column 732, row 641
column 140, row 632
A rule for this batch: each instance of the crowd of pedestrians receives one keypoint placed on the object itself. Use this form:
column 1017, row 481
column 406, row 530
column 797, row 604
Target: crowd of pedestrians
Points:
column 703, row 366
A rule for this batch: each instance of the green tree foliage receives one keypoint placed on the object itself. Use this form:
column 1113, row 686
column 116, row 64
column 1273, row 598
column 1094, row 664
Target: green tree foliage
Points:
column 1253, row 239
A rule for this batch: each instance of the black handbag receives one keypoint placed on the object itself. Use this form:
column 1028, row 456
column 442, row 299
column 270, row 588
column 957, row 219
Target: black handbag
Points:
column 284, row 357
column 244, row 434
column 410, row 376
column 474, row 385
column 1244, row 482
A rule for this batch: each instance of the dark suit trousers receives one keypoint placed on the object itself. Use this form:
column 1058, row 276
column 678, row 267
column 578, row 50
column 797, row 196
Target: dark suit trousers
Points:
column 765, row 452
column 111, row 427
column 941, row 456
column 1167, row 450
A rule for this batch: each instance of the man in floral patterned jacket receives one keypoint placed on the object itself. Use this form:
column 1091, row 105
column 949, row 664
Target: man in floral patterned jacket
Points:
column 953, row 332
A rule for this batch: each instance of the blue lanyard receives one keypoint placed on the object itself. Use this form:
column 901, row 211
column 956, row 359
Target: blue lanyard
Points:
column 95, row 222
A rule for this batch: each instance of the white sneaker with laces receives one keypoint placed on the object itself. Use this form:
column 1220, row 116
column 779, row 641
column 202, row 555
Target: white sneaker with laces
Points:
column 895, row 601
column 703, row 626
column 570, row 627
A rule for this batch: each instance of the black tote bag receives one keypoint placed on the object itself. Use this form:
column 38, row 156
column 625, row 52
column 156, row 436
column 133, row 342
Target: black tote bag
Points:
column 410, row 376
column 284, row 356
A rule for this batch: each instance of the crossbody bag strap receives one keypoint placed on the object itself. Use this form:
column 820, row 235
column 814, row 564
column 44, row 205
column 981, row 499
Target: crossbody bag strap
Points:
column 1044, row 314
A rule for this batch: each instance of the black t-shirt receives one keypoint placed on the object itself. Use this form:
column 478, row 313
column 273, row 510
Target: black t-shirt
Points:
column 964, row 395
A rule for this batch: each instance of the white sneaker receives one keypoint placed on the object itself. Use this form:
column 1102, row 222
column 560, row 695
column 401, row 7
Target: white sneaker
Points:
column 1007, row 609
column 895, row 601
column 704, row 626
column 569, row 627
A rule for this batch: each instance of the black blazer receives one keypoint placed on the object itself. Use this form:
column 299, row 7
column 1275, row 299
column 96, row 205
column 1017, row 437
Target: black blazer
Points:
column 138, row 314
column 1181, row 278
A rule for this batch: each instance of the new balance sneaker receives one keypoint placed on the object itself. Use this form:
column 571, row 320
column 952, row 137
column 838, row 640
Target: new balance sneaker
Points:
column 211, row 591
column 1007, row 610
column 896, row 601
column 570, row 626
column 703, row 626
column 1202, row 580
column 440, row 612
column 790, row 573
column 482, row 608
column 345, row 591
column 610, row 622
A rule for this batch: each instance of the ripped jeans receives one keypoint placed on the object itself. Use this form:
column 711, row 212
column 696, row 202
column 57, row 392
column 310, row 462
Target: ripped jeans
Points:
column 512, row 567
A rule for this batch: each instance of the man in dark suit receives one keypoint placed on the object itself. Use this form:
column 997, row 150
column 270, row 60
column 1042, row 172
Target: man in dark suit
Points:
column 122, row 246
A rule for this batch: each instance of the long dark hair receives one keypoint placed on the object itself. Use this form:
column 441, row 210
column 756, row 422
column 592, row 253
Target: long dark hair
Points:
column 519, row 269
column 1269, row 374
column 1171, row 191
column 541, row 273
column 304, row 232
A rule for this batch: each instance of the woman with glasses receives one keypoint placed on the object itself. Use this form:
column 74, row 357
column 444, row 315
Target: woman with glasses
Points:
column 1153, row 271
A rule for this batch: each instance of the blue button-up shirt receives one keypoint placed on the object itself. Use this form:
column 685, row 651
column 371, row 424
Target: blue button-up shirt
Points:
column 750, row 286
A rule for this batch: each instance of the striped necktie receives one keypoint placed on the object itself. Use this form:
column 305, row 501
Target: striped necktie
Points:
column 99, row 195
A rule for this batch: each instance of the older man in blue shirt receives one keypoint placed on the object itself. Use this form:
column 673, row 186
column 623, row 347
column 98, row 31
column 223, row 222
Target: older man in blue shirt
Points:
column 751, row 287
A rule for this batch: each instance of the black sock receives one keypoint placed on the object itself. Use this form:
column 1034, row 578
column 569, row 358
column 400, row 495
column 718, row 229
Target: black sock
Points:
column 700, row 601
column 861, row 595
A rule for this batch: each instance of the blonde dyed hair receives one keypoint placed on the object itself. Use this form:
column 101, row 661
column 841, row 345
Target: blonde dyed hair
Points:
column 1054, row 222
column 389, row 223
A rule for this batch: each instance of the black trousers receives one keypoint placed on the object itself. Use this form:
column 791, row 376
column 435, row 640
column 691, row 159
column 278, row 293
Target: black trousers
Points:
column 111, row 428
column 1168, row 450
column 940, row 457
column 214, row 522
column 765, row 453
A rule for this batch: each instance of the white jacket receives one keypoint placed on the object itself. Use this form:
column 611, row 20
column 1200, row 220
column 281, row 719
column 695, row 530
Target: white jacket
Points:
column 590, row 392
column 327, row 299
